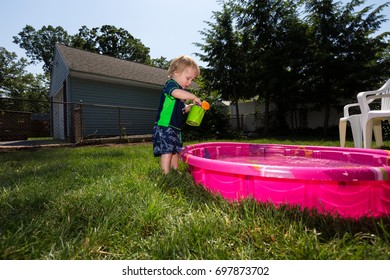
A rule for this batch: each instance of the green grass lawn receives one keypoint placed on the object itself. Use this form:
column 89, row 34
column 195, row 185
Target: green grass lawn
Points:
column 112, row 202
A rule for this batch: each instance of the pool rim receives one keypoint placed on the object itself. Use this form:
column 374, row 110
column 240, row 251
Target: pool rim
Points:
column 366, row 173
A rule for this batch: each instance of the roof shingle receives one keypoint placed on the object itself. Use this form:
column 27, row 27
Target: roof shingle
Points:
column 103, row 65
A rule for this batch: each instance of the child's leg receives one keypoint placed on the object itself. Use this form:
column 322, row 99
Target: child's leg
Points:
column 168, row 162
column 175, row 161
column 165, row 162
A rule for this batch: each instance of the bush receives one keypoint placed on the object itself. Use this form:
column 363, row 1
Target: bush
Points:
column 215, row 123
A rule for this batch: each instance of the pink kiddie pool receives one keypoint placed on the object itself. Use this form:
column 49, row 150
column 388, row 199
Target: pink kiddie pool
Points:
column 347, row 181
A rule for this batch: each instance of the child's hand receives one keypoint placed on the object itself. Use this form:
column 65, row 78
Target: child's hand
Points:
column 197, row 101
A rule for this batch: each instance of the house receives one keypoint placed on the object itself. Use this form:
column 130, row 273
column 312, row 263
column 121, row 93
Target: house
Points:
column 99, row 95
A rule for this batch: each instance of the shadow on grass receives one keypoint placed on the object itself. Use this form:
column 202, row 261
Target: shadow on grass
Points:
column 329, row 226
column 181, row 184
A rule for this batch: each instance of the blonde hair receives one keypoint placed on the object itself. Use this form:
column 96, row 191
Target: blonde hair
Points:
column 181, row 63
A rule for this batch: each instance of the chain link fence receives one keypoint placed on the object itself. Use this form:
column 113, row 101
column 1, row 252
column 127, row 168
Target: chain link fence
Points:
column 21, row 119
column 92, row 121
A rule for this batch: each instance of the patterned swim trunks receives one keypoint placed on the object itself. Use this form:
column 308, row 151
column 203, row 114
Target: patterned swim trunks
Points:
column 166, row 140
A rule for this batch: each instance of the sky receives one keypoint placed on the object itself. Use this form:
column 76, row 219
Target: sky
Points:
column 168, row 27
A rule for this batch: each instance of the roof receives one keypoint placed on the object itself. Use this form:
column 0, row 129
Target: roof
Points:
column 103, row 65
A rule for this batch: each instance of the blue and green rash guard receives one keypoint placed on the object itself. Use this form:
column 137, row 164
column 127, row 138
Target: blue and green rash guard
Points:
column 170, row 110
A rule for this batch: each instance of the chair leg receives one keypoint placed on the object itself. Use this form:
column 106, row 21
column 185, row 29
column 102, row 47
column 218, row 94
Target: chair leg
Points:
column 367, row 134
column 356, row 132
column 378, row 133
column 342, row 132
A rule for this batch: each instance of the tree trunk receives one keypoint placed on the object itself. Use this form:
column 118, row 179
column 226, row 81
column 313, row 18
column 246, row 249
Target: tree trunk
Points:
column 266, row 114
column 237, row 110
column 237, row 115
column 326, row 118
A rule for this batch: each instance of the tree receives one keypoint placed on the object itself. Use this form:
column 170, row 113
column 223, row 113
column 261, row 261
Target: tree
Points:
column 345, row 56
column 161, row 62
column 275, row 40
column 109, row 40
column 17, row 83
column 12, row 74
column 288, row 55
column 223, row 57
column 251, row 51
column 39, row 45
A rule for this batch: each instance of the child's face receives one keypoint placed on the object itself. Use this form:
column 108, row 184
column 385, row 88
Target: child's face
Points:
column 185, row 78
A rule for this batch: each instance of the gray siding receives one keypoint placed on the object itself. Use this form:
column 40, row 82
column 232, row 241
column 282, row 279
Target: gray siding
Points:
column 134, row 113
column 96, row 92
column 59, row 74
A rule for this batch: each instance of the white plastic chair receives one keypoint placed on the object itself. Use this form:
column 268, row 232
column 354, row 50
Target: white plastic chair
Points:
column 370, row 119
column 354, row 121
